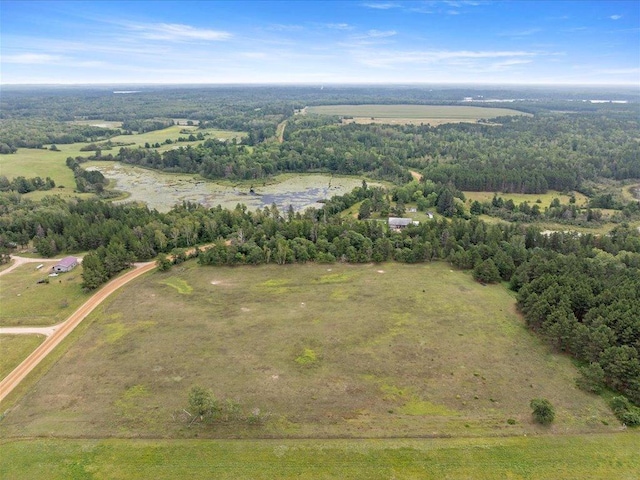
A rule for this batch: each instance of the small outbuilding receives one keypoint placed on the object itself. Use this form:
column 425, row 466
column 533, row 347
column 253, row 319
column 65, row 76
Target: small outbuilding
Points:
column 65, row 265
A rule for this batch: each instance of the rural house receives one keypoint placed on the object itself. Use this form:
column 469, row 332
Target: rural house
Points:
column 396, row 223
column 65, row 265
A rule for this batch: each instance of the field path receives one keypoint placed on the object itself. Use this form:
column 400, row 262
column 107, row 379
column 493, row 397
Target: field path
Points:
column 63, row 329
column 280, row 131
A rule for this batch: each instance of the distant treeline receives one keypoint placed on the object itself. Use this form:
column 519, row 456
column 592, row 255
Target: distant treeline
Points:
column 36, row 133
column 524, row 154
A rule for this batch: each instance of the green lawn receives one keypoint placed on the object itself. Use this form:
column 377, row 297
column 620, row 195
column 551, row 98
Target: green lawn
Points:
column 322, row 350
column 25, row 302
column 594, row 457
column 14, row 349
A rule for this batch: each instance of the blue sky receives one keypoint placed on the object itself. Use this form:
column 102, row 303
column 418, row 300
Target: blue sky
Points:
column 369, row 41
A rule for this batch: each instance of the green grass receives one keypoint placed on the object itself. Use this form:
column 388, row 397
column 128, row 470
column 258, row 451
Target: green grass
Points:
column 400, row 350
column 173, row 133
column 14, row 349
column 25, row 302
column 543, row 457
column 31, row 162
column 425, row 112
column 532, row 198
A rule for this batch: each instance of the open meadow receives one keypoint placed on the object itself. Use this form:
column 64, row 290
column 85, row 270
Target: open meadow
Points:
column 536, row 458
column 43, row 162
column 14, row 349
column 412, row 114
column 543, row 200
column 25, row 302
column 311, row 351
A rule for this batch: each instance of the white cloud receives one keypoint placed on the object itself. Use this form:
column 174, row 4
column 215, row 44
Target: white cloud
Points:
column 620, row 71
column 285, row 28
column 520, row 33
column 339, row 26
column 615, row 17
column 380, row 33
column 31, row 58
column 457, row 57
column 381, row 6
column 177, row 32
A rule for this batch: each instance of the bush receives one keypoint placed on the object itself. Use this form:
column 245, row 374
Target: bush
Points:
column 543, row 411
column 625, row 411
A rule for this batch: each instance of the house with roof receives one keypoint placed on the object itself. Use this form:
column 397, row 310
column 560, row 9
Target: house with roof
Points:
column 398, row 223
column 65, row 265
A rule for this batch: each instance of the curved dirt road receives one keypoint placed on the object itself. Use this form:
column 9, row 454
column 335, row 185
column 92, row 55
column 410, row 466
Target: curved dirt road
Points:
column 65, row 328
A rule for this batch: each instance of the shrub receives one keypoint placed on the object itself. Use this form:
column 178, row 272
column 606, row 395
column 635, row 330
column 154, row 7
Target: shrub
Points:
column 543, row 411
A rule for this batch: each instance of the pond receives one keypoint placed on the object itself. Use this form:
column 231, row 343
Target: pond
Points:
column 161, row 191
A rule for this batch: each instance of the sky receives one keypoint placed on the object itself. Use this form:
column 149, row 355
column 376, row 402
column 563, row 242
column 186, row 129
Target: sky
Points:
column 309, row 42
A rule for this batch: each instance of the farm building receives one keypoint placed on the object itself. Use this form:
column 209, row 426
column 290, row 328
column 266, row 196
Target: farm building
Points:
column 65, row 265
column 396, row 223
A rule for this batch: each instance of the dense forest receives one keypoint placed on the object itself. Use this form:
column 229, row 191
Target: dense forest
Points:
column 523, row 154
column 579, row 291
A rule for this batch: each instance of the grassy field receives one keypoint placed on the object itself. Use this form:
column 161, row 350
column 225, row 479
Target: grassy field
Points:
column 173, row 133
column 532, row 198
column 32, row 162
column 386, row 352
column 412, row 114
column 27, row 303
column 14, row 349
column 543, row 457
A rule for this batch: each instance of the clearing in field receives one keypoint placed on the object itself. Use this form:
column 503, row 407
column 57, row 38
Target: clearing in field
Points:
column 412, row 114
column 318, row 351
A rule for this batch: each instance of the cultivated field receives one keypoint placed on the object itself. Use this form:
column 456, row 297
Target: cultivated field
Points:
column 412, row 114
column 536, row 458
column 25, row 302
column 322, row 351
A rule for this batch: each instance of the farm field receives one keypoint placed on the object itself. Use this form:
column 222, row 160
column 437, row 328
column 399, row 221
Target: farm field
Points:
column 14, row 349
column 162, row 191
column 540, row 457
column 323, row 351
column 412, row 114
column 25, row 302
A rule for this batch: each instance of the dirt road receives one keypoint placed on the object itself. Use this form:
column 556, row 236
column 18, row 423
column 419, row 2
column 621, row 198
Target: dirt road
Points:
column 65, row 328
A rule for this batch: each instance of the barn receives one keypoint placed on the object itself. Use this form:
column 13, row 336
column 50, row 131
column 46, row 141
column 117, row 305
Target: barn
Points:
column 65, row 265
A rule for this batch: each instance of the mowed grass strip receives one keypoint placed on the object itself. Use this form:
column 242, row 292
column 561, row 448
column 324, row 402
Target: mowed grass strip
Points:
column 449, row 112
column 14, row 349
column 372, row 351
column 542, row 457
column 25, row 302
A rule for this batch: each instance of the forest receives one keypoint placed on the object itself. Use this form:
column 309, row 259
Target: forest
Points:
column 580, row 291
